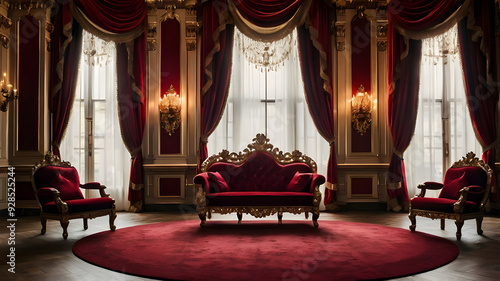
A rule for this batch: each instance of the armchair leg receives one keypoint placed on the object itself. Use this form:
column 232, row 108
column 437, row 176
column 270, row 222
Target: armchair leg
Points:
column 44, row 225
column 442, row 224
column 64, row 225
column 85, row 223
column 203, row 218
column 459, row 224
column 479, row 221
column 280, row 217
column 413, row 221
column 315, row 219
column 112, row 217
column 240, row 216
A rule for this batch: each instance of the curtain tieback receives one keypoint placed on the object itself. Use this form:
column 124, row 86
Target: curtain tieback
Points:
column 491, row 146
column 398, row 153
column 134, row 152
column 204, row 140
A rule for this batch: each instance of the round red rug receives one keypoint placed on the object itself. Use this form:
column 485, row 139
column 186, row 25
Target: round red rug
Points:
column 264, row 250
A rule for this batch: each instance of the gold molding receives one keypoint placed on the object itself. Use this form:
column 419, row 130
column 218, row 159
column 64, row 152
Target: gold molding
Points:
column 260, row 144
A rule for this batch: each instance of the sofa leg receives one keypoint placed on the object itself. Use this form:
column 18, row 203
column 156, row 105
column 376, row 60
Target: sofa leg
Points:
column 203, row 218
column 240, row 216
column 459, row 224
column 85, row 223
column 442, row 224
column 280, row 217
column 413, row 221
column 315, row 219
column 479, row 221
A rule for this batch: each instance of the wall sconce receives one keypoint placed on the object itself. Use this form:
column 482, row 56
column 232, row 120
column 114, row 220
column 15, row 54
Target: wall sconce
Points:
column 170, row 111
column 8, row 93
column 361, row 107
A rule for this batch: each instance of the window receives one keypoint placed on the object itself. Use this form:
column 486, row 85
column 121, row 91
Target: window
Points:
column 443, row 132
column 93, row 143
column 269, row 101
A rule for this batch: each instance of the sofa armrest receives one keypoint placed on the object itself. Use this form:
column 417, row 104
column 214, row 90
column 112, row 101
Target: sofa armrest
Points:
column 47, row 191
column 317, row 180
column 202, row 179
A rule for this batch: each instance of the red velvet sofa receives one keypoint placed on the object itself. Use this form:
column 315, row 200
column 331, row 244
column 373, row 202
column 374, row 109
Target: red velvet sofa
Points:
column 260, row 181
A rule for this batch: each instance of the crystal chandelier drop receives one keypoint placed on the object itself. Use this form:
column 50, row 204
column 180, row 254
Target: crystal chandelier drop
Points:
column 265, row 55
column 436, row 48
column 96, row 51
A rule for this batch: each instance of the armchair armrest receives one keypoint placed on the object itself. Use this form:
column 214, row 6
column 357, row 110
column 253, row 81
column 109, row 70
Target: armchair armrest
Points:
column 49, row 191
column 432, row 185
column 95, row 185
column 317, row 180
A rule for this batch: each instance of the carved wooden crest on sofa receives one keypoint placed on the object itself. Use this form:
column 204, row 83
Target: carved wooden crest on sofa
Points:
column 261, row 180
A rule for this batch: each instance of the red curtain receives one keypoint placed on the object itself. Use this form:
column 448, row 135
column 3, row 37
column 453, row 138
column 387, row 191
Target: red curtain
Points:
column 404, row 75
column 267, row 13
column 478, row 53
column 66, row 49
column 316, row 71
column 123, row 21
column 216, row 48
column 315, row 57
column 116, row 16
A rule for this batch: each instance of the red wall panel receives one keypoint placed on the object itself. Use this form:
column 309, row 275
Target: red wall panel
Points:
column 169, row 187
column 170, row 75
column 361, row 186
column 29, row 72
column 361, row 74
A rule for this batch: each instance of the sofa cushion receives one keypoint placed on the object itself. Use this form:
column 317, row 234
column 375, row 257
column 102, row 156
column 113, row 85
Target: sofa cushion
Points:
column 81, row 205
column 441, row 205
column 451, row 190
column 263, row 198
column 300, row 182
column 217, row 182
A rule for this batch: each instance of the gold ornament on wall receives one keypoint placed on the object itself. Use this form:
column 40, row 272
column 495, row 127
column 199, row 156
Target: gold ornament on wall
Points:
column 170, row 111
column 8, row 93
column 361, row 108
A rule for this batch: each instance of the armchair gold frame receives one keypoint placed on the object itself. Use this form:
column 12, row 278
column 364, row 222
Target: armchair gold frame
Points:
column 64, row 216
column 470, row 160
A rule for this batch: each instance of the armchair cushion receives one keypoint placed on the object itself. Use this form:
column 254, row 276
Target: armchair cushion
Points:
column 452, row 189
column 441, row 205
column 68, row 189
column 217, row 183
column 81, row 205
column 300, row 182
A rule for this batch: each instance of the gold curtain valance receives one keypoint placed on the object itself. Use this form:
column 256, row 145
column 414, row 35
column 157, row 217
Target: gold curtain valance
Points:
column 268, row 34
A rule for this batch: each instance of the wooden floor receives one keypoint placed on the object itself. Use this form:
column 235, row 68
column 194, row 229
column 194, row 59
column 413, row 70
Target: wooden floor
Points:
column 49, row 257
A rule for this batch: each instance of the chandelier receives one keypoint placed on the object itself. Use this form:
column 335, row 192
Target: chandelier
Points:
column 265, row 55
column 436, row 48
column 96, row 51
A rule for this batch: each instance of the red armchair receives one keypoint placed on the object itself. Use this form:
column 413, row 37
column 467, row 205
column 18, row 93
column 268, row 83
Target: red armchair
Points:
column 463, row 196
column 57, row 190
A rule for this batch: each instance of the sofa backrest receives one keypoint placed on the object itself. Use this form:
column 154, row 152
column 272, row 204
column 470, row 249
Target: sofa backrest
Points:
column 259, row 172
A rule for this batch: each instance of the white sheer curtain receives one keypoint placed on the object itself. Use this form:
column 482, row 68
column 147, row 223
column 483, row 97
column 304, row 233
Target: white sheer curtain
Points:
column 442, row 113
column 283, row 113
column 96, row 98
